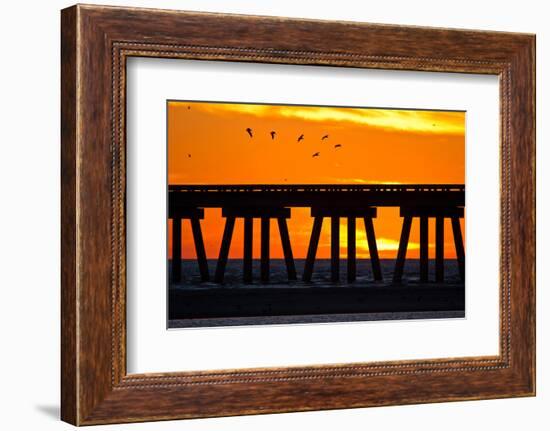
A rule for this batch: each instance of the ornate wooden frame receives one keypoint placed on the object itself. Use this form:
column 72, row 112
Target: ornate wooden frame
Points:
column 95, row 42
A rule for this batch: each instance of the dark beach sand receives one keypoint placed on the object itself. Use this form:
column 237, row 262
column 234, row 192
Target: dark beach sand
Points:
column 193, row 303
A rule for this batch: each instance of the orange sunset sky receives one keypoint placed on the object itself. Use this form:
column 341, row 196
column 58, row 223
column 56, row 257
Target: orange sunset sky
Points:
column 208, row 144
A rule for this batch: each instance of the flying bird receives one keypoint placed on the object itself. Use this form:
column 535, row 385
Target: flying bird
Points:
column 338, row 146
column 300, row 138
column 324, row 137
column 317, row 154
column 273, row 134
column 249, row 131
column 188, row 107
column 189, row 156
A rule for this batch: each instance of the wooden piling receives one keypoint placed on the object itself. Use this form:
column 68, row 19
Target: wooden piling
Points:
column 459, row 245
column 312, row 249
column 287, row 248
column 373, row 249
column 424, row 249
column 439, row 249
column 199, row 248
column 402, row 252
column 264, row 264
column 334, row 248
column 224, row 249
column 176, row 250
column 247, row 249
column 352, row 265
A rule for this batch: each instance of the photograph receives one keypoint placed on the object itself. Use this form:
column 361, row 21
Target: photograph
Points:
column 286, row 213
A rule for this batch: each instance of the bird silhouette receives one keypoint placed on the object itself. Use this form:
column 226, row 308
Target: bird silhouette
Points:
column 188, row 107
column 338, row 146
column 188, row 156
column 324, row 137
column 273, row 134
column 317, row 154
column 300, row 138
column 249, row 131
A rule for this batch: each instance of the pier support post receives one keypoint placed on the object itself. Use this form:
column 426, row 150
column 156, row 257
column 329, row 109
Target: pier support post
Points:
column 459, row 245
column 264, row 265
column 224, row 249
column 194, row 215
column 402, row 252
column 199, row 248
column 287, row 248
column 424, row 249
column 335, row 248
column 351, row 213
column 439, row 249
column 424, row 213
column 176, row 249
column 247, row 249
column 248, row 214
column 352, row 265
column 373, row 249
column 312, row 249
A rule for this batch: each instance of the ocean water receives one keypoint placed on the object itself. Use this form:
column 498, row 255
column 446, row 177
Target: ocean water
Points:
column 193, row 303
column 321, row 274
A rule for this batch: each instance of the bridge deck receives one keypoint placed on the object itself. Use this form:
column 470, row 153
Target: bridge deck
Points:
column 300, row 195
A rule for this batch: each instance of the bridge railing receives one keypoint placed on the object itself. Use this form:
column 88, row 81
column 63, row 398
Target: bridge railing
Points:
column 318, row 188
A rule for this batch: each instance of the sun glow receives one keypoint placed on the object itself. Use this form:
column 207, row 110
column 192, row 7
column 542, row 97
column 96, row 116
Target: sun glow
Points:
column 386, row 246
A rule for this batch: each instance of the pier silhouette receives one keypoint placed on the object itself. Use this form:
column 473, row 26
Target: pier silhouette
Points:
column 333, row 201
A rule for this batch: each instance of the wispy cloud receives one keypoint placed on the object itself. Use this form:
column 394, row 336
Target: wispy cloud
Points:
column 363, row 181
column 436, row 122
column 412, row 121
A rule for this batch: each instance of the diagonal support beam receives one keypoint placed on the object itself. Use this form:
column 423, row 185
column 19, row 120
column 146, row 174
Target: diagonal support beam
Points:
column 224, row 249
column 402, row 252
column 459, row 246
column 287, row 248
column 312, row 249
column 373, row 249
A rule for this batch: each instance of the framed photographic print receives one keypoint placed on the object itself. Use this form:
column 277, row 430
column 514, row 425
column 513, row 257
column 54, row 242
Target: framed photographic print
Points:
column 316, row 215
column 297, row 166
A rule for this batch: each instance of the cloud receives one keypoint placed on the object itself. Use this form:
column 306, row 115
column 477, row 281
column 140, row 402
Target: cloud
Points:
column 363, row 181
column 411, row 121
column 419, row 121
